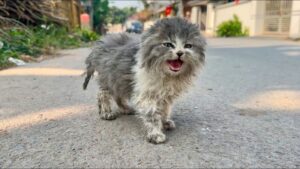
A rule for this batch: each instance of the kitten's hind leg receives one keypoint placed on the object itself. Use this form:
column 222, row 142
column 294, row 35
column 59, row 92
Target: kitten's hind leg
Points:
column 124, row 108
column 104, row 103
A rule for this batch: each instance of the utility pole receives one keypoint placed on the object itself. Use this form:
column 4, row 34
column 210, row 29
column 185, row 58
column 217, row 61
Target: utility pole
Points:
column 78, row 12
column 180, row 9
column 91, row 14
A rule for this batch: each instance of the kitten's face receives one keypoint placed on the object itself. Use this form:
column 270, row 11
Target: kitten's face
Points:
column 174, row 47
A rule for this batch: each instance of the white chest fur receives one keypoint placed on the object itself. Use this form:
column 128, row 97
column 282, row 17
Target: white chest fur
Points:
column 151, row 88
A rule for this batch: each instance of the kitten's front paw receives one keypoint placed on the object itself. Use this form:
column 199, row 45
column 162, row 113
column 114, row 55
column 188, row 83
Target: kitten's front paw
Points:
column 169, row 125
column 156, row 137
column 108, row 116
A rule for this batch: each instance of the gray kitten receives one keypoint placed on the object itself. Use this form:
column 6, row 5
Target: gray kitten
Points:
column 148, row 71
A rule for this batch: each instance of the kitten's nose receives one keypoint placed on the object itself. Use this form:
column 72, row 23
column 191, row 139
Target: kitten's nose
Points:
column 179, row 53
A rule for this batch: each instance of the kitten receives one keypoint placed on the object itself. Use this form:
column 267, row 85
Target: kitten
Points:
column 150, row 71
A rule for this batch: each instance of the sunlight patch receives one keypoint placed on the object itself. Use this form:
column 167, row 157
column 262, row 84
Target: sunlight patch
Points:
column 41, row 72
column 40, row 117
column 282, row 100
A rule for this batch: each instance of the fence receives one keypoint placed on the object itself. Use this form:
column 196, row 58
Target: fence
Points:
column 70, row 9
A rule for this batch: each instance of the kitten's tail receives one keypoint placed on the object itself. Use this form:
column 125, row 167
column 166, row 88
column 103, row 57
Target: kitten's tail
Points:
column 89, row 72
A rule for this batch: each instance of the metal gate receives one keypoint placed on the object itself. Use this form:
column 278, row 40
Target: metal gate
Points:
column 277, row 16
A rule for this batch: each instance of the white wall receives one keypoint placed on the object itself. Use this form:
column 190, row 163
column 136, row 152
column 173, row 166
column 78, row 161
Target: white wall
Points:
column 194, row 14
column 245, row 11
column 250, row 13
column 258, row 16
column 210, row 19
column 295, row 20
column 115, row 28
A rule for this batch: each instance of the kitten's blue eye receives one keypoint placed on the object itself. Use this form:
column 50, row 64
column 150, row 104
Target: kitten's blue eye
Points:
column 187, row 46
column 169, row 45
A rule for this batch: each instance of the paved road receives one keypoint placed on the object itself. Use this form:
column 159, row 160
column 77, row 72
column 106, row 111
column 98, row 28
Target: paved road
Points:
column 244, row 111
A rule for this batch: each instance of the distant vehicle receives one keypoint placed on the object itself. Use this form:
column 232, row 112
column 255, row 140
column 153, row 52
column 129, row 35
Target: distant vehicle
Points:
column 134, row 26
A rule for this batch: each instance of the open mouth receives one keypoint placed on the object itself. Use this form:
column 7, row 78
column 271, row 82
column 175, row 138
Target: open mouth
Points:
column 175, row 65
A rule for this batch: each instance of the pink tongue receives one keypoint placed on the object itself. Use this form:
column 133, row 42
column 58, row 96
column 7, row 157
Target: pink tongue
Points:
column 175, row 64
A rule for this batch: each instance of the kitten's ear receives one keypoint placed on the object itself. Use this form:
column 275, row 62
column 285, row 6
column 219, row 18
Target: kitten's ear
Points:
column 201, row 41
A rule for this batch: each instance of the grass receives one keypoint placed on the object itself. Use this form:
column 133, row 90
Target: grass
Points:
column 44, row 39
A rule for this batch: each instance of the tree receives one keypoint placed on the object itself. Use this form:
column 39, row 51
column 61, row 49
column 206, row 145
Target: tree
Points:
column 100, row 12
column 117, row 15
column 145, row 3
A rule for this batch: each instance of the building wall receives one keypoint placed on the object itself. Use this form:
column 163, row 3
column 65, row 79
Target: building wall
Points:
column 195, row 14
column 258, row 17
column 245, row 11
column 210, row 19
column 115, row 28
column 295, row 20
column 198, row 16
column 71, row 10
column 250, row 13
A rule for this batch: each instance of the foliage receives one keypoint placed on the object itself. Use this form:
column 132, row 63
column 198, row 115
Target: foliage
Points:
column 145, row 3
column 117, row 15
column 87, row 35
column 6, row 53
column 53, row 36
column 100, row 12
column 232, row 28
column 40, row 40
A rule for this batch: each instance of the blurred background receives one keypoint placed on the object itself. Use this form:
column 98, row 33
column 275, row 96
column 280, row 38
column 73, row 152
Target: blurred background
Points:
column 31, row 28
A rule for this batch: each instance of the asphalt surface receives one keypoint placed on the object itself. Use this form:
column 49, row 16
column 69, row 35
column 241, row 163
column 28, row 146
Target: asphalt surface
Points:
column 244, row 111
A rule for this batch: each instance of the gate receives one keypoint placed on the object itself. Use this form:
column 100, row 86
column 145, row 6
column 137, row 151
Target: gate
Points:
column 277, row 17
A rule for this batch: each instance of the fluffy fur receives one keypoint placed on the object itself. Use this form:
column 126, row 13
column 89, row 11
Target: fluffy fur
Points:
column 149, row 71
